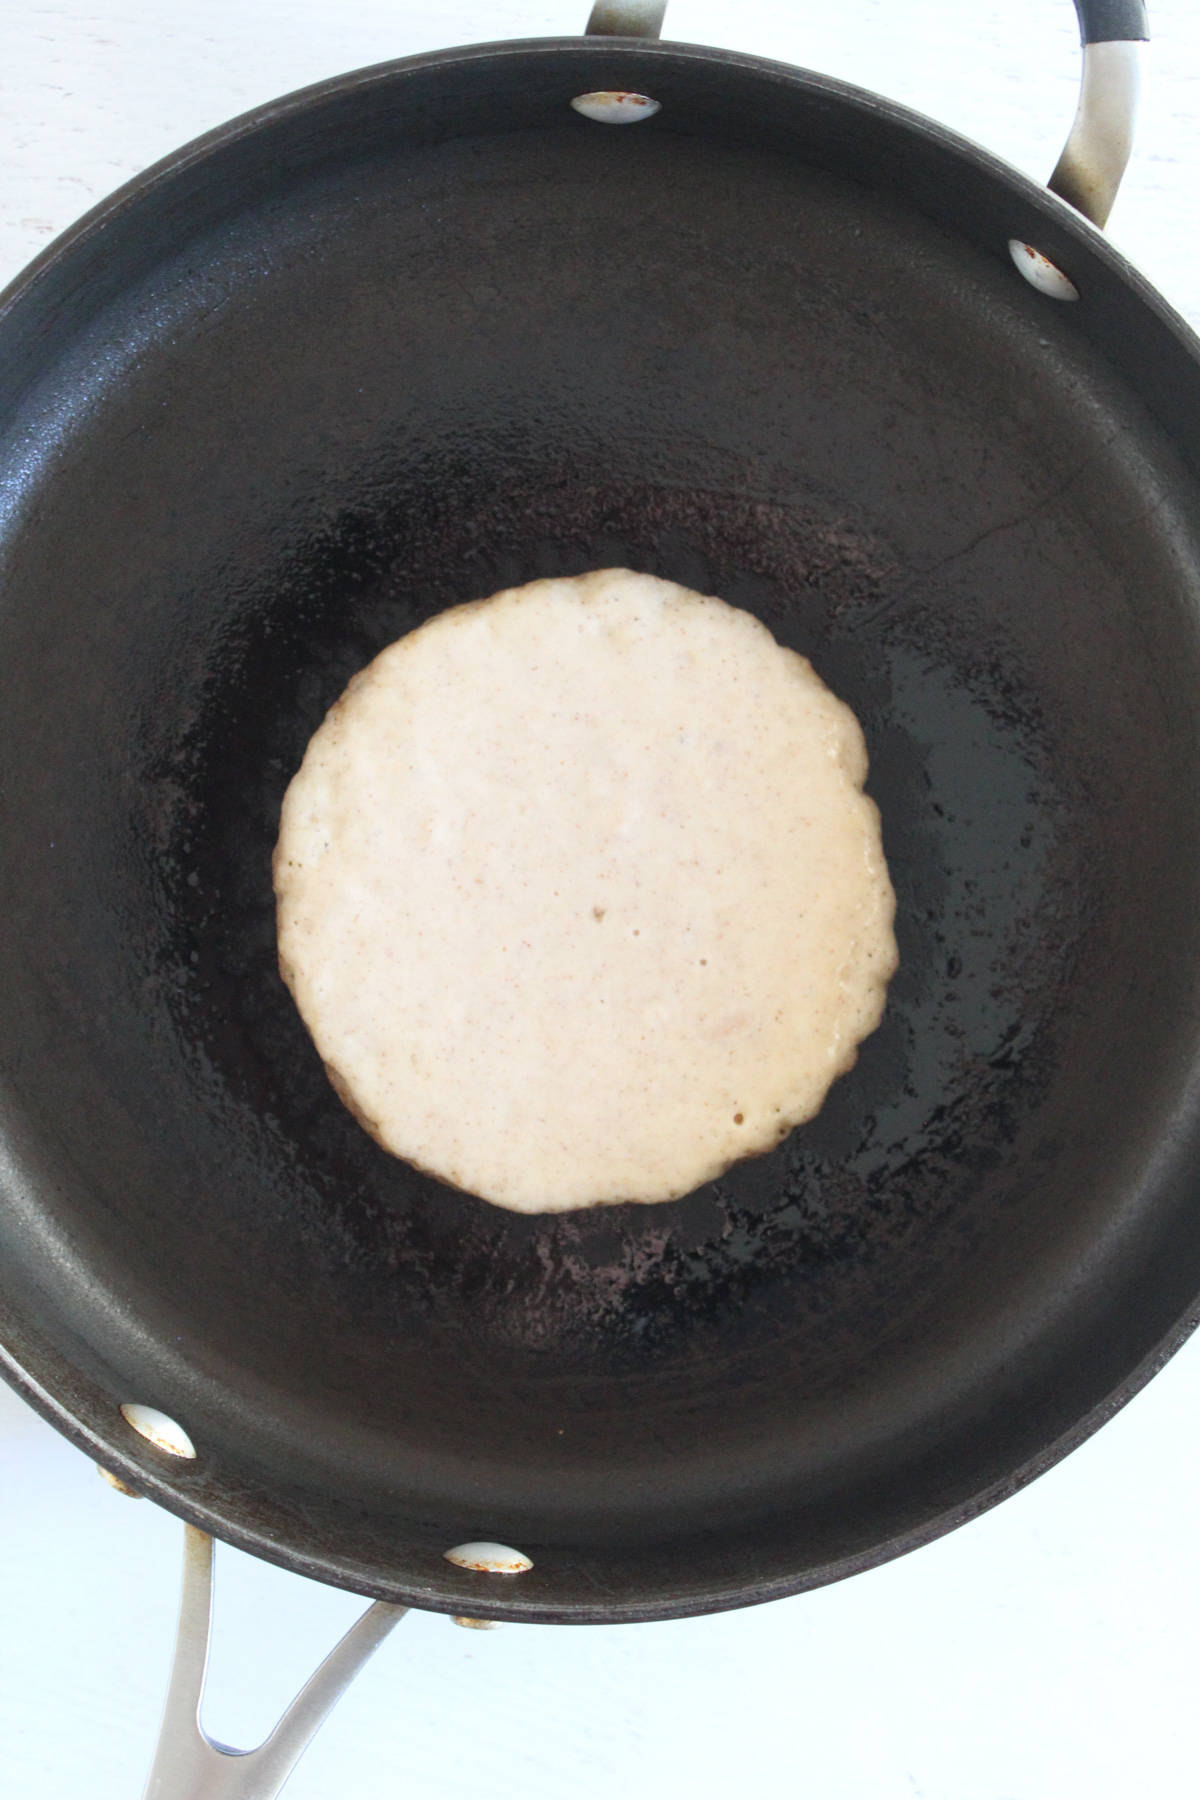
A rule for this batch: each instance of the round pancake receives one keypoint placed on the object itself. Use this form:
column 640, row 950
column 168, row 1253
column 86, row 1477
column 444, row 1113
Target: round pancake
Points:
column 579, row 894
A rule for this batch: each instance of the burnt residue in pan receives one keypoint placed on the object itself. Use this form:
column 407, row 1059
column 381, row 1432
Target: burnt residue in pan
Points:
column 838, row 1211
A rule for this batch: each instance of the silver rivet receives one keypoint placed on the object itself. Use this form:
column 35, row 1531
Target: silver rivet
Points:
column 163, row 1432
column 489, row 1559
column 478, row 1624
column 114, row 1481
column 1040, row 272
column 612, row 106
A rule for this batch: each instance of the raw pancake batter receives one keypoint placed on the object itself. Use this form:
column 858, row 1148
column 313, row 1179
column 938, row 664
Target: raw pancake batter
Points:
column 579, row 894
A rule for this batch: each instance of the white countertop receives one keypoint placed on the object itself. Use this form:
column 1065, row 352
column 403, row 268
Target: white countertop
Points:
column 1046, row 1652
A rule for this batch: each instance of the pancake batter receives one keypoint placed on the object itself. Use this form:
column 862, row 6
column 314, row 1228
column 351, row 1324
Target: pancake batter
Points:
column 579, row 894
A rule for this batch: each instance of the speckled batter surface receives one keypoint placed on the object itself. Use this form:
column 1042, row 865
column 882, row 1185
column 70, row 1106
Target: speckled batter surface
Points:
column 579, row 894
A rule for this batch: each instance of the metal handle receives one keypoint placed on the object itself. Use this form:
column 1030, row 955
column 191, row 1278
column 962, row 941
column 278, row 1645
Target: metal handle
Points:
column 626, row 18
column 1094, row 158
column 188, row 1765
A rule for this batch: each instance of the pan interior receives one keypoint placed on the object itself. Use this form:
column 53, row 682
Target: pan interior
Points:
column 426, row 368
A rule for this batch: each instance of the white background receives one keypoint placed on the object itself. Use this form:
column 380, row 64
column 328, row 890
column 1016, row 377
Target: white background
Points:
column 1047, row 1652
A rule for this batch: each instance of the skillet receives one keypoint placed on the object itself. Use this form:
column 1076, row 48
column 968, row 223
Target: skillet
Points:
column 973, row 508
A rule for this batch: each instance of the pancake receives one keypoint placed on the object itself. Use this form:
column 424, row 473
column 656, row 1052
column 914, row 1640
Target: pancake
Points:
column 579, row 895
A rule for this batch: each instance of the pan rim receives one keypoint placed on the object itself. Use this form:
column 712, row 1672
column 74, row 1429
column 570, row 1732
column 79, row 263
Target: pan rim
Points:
column 1058, row 213
column 144, row 1477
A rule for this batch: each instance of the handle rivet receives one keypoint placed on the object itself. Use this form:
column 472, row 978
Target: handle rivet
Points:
column 158, row 1429
column 1040, row 272
column 115, row 1481
column 489, row 1559
column 615, row 107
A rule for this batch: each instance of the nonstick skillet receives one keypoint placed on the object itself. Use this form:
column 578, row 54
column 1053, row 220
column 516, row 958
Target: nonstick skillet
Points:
column 420, row 333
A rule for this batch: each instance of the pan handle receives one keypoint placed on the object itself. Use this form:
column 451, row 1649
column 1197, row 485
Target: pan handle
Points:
column 1089, row 171
column 626, row 18
column 188, row 1765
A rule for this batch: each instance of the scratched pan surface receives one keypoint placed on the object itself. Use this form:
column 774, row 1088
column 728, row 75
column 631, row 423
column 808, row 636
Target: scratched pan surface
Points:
column 424, row 333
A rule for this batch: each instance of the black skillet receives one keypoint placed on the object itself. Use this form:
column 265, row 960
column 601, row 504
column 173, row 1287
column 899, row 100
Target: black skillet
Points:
column 424, row 331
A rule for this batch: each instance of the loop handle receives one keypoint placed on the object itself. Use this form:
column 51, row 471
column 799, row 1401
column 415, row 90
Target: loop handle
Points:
column 1094, row 158
column 188, row 1765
